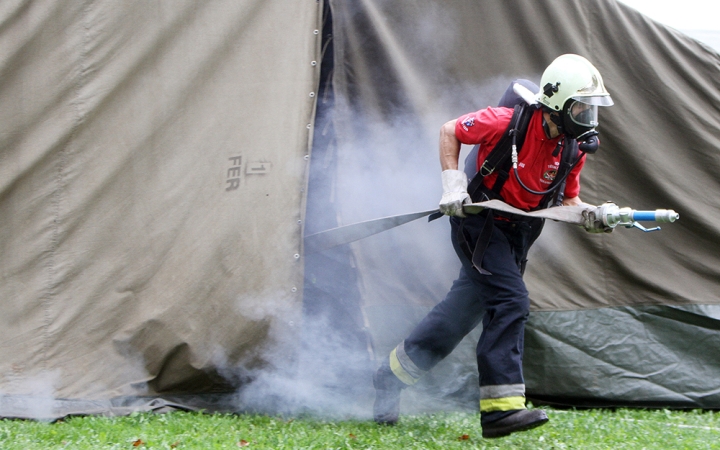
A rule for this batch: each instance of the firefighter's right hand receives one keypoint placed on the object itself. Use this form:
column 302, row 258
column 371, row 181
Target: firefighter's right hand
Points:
column 455, row 193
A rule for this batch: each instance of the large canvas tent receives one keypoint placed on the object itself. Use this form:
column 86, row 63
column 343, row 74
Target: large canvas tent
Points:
column 161, row 161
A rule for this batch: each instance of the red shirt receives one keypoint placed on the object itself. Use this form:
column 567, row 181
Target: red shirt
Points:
column 537, row 167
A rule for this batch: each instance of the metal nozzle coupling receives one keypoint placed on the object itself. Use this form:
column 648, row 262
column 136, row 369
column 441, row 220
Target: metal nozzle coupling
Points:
column 666, row 215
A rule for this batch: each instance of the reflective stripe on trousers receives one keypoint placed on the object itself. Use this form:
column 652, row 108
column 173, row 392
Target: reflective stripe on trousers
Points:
column 403, row 367
column 506, row 397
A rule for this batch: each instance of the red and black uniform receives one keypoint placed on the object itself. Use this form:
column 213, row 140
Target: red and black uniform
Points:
column 498, row 298
column 537, row 163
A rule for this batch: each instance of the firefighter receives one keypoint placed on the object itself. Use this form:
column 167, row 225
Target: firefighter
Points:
column 492, row 290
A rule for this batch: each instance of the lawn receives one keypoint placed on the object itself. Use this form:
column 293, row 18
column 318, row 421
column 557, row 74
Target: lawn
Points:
column 580, row 429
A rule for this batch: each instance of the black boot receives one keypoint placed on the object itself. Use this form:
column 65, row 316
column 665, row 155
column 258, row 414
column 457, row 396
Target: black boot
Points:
column 524, row 419
column 386, row 409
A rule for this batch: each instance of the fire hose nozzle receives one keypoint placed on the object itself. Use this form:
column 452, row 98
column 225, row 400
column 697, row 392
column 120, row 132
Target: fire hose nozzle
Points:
column 612, row 216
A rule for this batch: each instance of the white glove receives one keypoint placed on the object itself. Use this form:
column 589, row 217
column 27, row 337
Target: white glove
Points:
column 455, row 194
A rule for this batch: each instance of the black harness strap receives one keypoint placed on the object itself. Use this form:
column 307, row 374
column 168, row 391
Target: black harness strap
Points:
column 499, row 157
column 498, row 160
column 464, row 239
column 482, row 243
column 568, row 159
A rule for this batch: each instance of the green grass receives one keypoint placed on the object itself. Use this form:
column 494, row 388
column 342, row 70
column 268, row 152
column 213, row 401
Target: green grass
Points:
column 590, row 429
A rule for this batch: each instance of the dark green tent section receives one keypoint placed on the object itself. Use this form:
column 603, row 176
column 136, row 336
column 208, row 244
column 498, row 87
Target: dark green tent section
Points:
column 648, row 356
column 162, row 160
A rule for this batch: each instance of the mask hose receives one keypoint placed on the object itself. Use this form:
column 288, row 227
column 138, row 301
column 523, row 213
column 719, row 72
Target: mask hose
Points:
column 517, row 177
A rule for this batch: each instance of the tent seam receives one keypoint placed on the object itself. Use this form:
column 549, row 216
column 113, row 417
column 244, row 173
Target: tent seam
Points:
column 60, row 183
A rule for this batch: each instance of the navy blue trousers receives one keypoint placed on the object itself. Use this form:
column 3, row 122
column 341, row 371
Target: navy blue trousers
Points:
column 499, row 300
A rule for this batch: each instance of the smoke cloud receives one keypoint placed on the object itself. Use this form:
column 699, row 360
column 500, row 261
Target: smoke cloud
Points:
column 362, row 299
column 375, row 154
column 31, row 395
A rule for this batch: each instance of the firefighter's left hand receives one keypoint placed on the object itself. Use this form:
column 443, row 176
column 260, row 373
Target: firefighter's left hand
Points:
column 593, row 222
column 455, row 193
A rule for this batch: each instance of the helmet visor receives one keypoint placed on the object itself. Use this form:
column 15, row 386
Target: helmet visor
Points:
column 599, row 100
column 583, row 114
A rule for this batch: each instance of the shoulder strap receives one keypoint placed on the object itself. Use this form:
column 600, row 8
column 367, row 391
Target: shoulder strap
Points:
column 568, row 159
column 499, row 157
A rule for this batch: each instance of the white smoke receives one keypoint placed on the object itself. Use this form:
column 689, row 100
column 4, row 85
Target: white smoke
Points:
column 31, row 395
column 383, row 164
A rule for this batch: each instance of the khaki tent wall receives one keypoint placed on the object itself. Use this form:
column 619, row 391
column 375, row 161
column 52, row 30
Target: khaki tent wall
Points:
column 617, row 317
column 153, row 162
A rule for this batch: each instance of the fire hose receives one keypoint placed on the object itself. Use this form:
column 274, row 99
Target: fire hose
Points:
column 607, row 215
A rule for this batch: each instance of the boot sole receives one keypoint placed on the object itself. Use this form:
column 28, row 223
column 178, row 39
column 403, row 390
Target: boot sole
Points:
column 508, row 430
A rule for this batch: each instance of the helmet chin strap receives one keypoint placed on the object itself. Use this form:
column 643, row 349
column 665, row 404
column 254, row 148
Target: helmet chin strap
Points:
column 554, row 117
column 557, row 119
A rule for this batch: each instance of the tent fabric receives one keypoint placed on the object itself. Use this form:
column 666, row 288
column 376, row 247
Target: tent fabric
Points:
column 404, row 68
column 649, row 356
column 152, row 175
column 155, row 164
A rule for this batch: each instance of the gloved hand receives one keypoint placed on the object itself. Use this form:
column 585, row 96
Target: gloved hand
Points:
column 455, row 193
column 593, row 220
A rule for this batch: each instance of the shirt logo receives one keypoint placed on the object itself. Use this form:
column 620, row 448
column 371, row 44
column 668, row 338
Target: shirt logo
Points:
column 467, row 123
column 549, row 175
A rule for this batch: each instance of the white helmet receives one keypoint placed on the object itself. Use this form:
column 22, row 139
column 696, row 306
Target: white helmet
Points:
column 572, row 86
